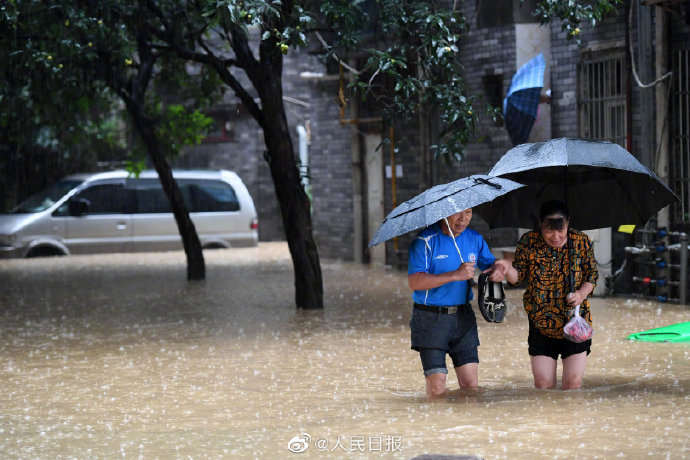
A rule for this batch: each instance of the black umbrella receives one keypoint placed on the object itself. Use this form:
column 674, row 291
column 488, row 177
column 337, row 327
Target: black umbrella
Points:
column 442, row 201
column 601, row 182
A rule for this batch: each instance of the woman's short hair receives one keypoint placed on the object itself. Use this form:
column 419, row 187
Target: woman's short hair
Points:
column 550, row 208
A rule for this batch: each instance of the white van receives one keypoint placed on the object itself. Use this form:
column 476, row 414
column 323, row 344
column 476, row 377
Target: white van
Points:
column 115, row 212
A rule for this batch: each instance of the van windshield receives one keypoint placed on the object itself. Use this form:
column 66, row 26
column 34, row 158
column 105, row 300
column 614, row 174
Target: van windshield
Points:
column 46, row 198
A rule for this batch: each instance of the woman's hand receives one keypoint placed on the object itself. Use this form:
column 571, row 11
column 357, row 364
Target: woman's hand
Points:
column 501, row 270
column 575, row 298
column 497, row 272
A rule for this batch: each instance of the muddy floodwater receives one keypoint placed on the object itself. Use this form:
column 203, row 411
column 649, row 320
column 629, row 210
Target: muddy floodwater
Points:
column 118, row 356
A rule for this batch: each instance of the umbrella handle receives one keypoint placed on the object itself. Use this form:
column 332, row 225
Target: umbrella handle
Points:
column 462, row 261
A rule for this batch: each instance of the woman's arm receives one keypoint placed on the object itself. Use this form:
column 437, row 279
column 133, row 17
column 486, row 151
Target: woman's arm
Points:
column 510, row 273
column 589, row 276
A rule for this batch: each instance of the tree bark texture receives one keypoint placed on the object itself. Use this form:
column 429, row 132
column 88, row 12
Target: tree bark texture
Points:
column 294, row 203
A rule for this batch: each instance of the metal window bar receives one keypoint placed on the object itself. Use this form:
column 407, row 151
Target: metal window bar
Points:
column 602, row 102
column 680, row 135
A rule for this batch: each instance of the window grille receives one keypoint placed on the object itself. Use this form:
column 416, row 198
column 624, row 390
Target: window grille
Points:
column 601, row 97
column 679, row 163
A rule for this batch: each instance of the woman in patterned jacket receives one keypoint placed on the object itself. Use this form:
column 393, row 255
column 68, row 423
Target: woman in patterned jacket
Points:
column 545, row 258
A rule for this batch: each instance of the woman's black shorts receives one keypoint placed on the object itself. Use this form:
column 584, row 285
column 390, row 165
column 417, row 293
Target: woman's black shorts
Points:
column 541, row 345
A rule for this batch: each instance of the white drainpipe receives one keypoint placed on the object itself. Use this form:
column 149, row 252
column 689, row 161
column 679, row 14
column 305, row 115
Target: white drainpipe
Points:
column 304, row 159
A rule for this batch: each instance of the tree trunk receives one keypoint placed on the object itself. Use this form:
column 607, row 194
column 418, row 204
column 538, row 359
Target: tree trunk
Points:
column 294, row 203
column 295, row 212
column 196, row 268
column 266, row 76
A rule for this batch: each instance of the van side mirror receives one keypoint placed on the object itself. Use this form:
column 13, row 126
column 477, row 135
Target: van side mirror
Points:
column 78, row 206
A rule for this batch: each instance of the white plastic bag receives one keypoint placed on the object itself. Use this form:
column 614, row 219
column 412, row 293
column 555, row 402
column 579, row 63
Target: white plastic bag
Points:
column 578, row 329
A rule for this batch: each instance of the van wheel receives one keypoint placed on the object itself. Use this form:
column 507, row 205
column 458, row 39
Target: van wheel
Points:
column 45, row 251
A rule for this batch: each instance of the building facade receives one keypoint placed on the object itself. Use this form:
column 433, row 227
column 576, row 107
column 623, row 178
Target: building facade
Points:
column 355, row 180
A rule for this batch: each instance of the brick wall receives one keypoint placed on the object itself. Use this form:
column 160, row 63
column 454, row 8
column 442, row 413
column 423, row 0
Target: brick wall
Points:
column 485, row 51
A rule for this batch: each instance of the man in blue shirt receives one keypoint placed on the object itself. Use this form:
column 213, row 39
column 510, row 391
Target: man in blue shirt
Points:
column 442, row 259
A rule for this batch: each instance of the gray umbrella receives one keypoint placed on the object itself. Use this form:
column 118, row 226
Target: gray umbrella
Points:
column 442, row 201
column 601, row 182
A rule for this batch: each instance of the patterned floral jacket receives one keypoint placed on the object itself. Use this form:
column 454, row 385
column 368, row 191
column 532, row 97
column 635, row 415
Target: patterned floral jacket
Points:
column 546, row 271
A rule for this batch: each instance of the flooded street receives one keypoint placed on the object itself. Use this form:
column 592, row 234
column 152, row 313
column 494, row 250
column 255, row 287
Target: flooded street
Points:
column 118, row 356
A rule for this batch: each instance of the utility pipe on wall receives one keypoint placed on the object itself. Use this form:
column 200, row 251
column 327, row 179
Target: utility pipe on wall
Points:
column 394, row 201
column 304, row 159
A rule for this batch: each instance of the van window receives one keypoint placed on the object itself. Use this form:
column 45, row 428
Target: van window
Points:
column 199, row 195
column 149, row 196
column 107, row 199
column 103, row 198
column 211, row 196
column 45, row 199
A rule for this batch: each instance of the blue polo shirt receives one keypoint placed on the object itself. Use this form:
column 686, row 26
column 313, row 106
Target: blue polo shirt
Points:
column 432, row 251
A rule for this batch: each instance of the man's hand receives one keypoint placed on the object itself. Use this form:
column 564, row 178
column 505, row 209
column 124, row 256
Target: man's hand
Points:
column 465, row 272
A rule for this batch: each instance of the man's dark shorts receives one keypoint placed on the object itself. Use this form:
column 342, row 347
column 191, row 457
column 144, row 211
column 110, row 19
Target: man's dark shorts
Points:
column 434, row 334
column 541, row 345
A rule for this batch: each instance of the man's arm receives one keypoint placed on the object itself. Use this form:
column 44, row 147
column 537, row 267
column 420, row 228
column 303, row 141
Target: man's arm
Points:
column 422, row 281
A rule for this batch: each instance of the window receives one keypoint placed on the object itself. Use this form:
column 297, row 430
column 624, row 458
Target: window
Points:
column 150, row 197
column 199, row 196
column 106, row 199
column 222, row 129
column 494, row 13
column 211, row 196
column 679, row 167
column 45, row 199
column 493, row 89
column 601, row 97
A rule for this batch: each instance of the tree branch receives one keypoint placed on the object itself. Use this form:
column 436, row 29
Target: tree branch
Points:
column 209, row 58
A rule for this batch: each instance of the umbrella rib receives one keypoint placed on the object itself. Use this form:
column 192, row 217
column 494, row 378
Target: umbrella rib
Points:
column 425, row 204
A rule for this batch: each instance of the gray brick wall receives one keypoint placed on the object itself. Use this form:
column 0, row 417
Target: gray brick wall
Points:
column 485, row 51
column 331, row 168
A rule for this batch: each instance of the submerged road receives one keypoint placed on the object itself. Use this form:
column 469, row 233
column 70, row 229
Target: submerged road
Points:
column 118, row 356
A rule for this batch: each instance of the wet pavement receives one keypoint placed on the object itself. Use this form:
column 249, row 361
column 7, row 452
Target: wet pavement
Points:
column 118, row 356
